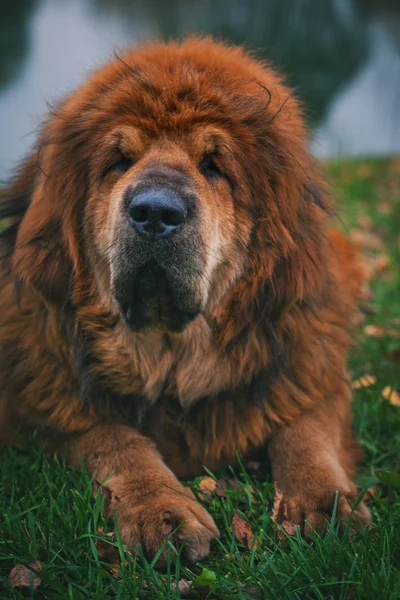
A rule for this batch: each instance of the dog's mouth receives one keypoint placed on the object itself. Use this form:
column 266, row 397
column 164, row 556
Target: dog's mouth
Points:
column 152, row 300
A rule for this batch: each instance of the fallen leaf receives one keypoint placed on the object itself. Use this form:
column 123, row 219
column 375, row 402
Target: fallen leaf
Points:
column 373, row 266
column 379, row 332
column 370, row 493
column 395, row 164
column 235, row 485
column 280, row 514
column 184, row 587
column 392, row 395
column 385, row 207
column 22, row 576
column 366, row 239
column 207, row 485
column 107, row 551
column 363, row 382
column 374, row 331
column 364, row 170
column 252, row 591
column 393, row 333
column 242, row 530
column 253, row 465
column 279, row 510
column 221, row 488
column 289, row 527
column 224, row 485
column 201, row 586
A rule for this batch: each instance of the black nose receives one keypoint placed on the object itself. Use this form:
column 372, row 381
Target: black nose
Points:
column 157, row 213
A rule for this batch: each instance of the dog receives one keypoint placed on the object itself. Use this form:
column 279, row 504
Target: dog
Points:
column 172, row 295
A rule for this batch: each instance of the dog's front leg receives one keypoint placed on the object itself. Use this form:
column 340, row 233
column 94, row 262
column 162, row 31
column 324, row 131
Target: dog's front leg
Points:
column 148, row 500
column 314, row 459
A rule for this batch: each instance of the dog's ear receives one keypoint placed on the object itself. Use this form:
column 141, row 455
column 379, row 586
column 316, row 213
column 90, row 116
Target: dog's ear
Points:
column 291, row 202
column 289, row 254
column 41, row 257
column 302, row 273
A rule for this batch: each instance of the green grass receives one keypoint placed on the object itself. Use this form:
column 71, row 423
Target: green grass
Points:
column 47, row 512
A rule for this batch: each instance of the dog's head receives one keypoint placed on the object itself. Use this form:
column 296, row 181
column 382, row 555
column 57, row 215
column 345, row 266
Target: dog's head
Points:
column 174, row 182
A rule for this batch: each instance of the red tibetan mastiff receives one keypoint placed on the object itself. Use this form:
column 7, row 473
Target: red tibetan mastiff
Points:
column 171, row 296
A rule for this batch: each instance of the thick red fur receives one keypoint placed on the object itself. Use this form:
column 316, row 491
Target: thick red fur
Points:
column 263, row 367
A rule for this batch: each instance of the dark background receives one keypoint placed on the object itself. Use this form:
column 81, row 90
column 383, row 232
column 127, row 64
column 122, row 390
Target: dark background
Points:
column 342, row 56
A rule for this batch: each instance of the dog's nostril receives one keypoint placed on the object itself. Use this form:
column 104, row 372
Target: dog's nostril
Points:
column 172, row 217
column 139, row 214
column 157, row 213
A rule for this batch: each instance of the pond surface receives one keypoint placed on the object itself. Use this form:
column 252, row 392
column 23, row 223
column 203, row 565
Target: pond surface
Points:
column 342, row 56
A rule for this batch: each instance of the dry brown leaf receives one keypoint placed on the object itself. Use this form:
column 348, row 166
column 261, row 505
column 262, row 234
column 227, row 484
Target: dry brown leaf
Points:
column 393, row 333
column 107, row 552
column 374, row 331
column 242, row 530
column 233, row 556
column 364, row 170
column 372, row 266
column 366, row 239
column 221, row 488
column 223, row 485
column 370, row 493
column 394, row 321
column 385, row 207
column 252, row 591
column 279, row 511
column 395, row 164
column 207, row 485
column 235, row 485
column 378, row 264
column 392, row 395
column 253, row 465
column 21, row 576
column 289, row 527
column 363, row 382
column 185, row 588
column 280, row 514
column 365, row 222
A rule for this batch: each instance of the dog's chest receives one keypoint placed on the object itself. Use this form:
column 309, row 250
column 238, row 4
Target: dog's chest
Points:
column 212, row 432
column 189, row 366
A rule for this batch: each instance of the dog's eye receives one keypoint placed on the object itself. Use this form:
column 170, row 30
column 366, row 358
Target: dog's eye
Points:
column 209, row 168
column 120, row 166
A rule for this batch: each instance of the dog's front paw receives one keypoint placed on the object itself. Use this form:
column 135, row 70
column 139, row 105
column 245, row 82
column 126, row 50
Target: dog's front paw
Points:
column 313, row 511
column 151, row 520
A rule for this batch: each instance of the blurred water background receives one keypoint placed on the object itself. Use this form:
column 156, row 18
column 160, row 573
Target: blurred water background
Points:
column 342, row 56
